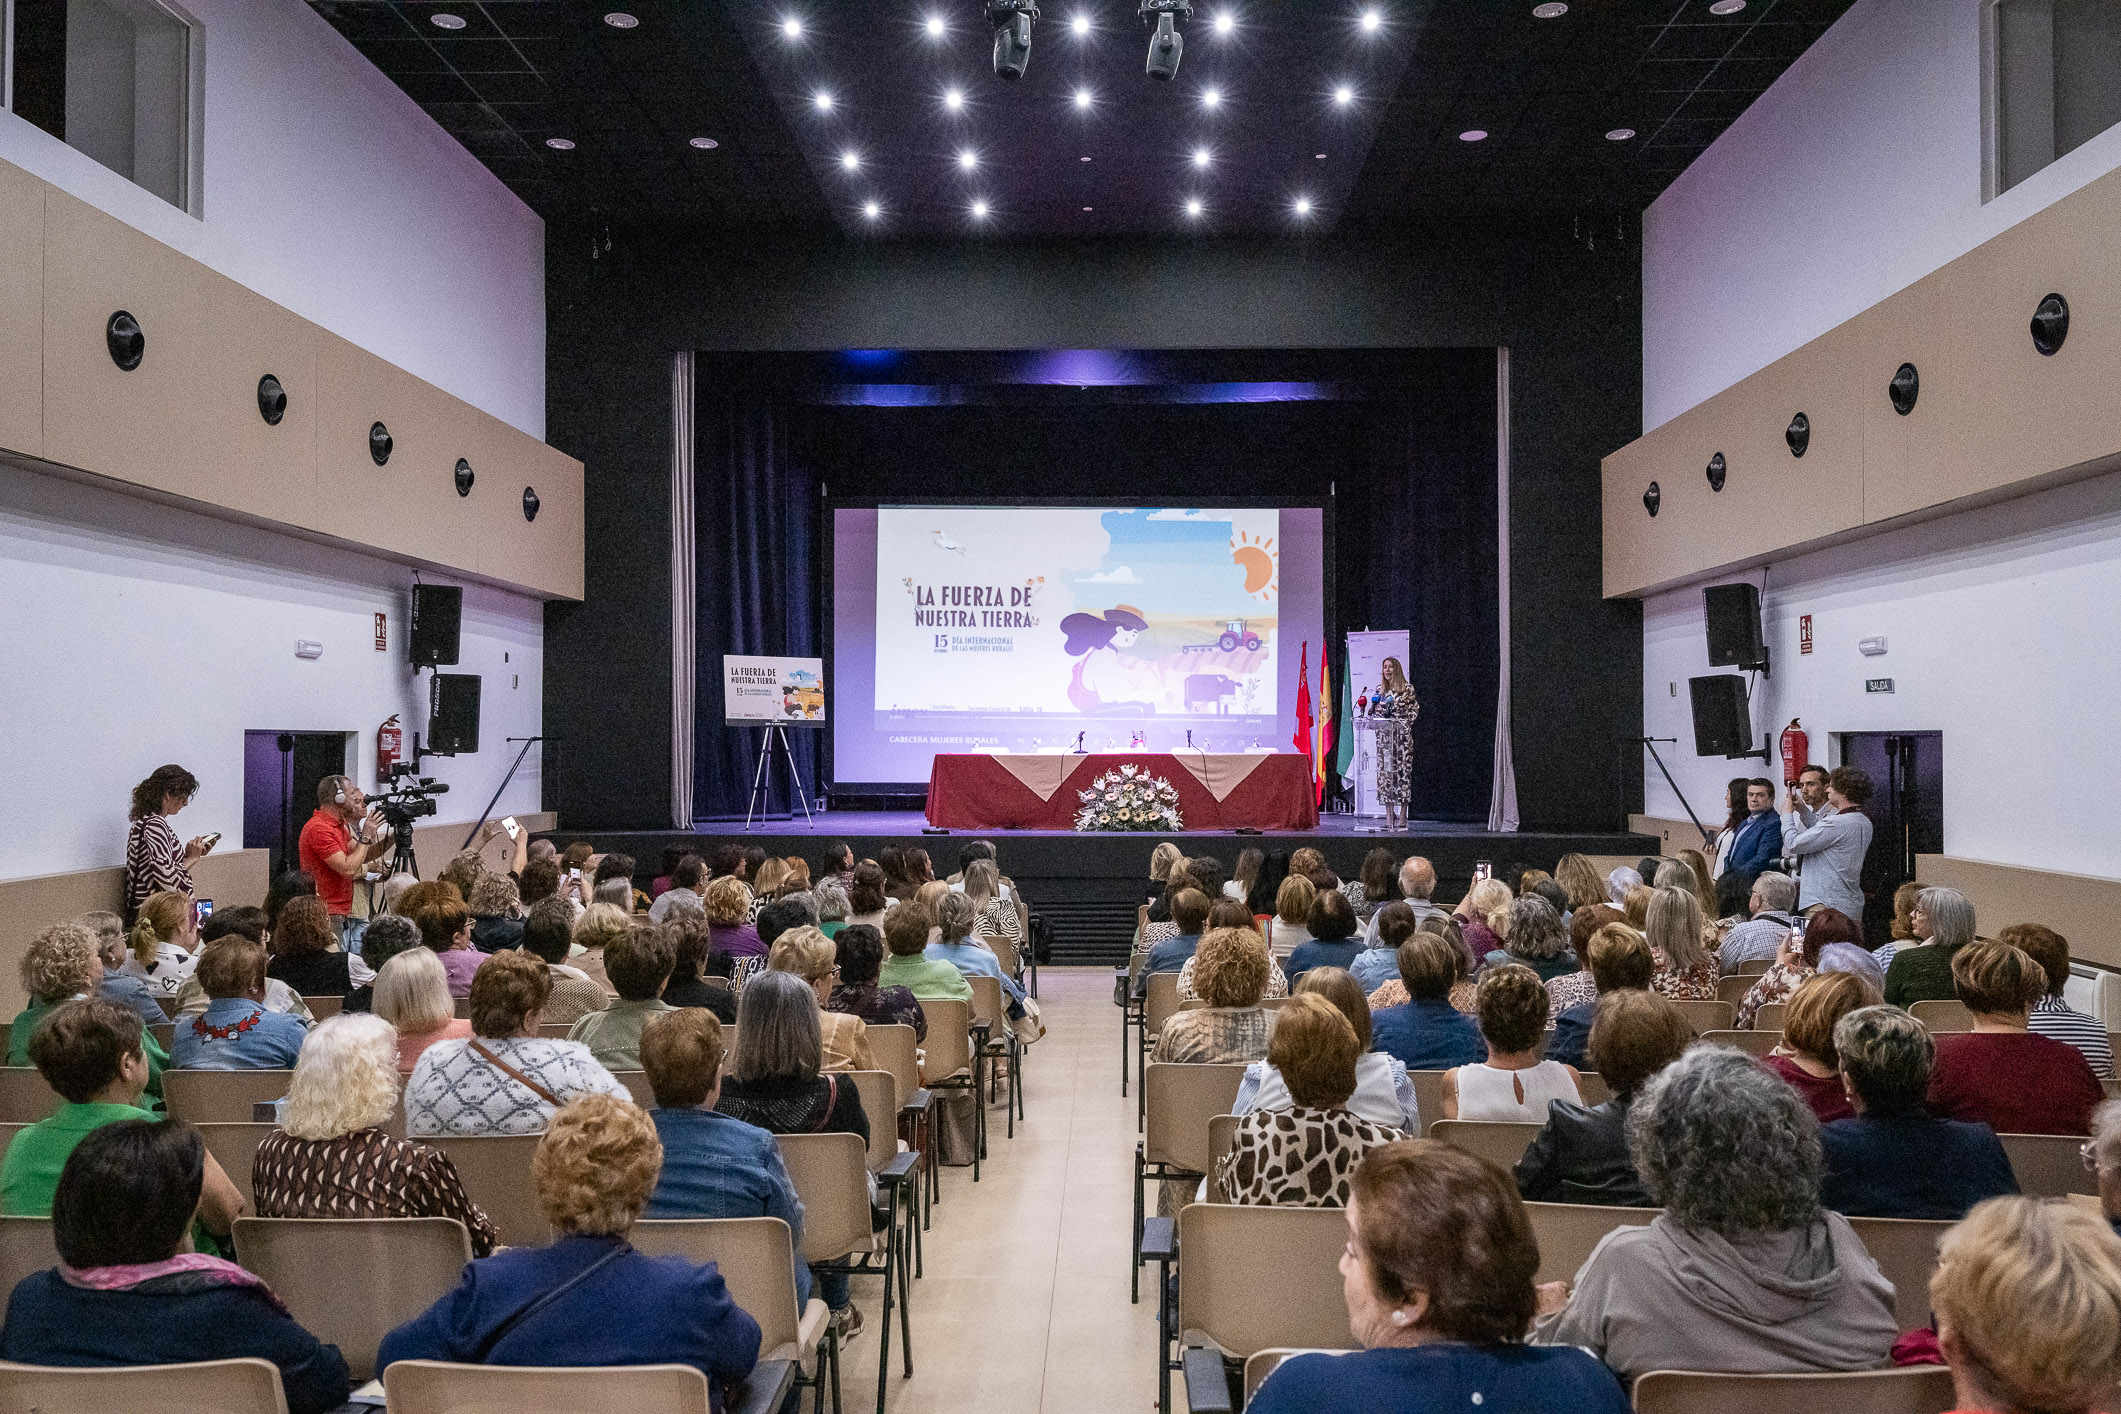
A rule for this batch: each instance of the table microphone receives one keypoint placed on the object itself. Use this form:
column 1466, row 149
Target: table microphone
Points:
column 1079, row 742
column 1189, row 738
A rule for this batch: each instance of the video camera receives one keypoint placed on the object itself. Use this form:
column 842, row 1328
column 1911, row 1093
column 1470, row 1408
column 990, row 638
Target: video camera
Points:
column 407, row 802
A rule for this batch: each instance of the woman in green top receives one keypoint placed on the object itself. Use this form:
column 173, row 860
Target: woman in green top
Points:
column 832, row 906
column 1943, row 921
column 64, row 962
column 906, row 935
column 90, row 1051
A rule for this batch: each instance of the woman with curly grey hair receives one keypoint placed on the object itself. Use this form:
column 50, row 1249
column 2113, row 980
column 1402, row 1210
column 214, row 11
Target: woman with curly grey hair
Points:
column 1743, row 1271
column 1536, row 939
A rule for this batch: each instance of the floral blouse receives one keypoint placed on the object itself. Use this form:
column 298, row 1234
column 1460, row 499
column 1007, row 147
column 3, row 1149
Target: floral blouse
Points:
column 1775, row 985
column 1698, row 984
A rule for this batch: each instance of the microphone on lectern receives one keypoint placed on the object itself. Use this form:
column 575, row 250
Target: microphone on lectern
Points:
column 1189, row 738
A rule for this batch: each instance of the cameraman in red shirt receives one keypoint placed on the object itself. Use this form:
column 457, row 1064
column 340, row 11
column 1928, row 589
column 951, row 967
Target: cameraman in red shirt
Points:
column 338, row 842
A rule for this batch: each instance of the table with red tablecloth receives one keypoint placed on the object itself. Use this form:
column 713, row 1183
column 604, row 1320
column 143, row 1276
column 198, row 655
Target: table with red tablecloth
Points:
column 991, row 791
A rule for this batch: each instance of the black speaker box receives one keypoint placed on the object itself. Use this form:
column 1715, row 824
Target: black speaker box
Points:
column 437, row 616
column 1723, row 720
column 453, row 714
column 1733, row 613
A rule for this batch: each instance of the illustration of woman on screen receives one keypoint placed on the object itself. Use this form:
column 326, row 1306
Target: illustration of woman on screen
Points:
column 1394, row 707
column 1106, row 682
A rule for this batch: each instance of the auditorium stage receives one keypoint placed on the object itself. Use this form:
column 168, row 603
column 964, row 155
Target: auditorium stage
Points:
column 1087, row 885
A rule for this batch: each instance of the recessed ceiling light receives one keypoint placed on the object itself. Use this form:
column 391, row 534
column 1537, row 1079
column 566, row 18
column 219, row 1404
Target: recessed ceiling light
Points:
column 791, row 28
column 1473, row 135
column 823, row 100
column 1211, row 98
column 442, row 19
column 935, row 27
column 1372, row 22
column 1620, row 135
column 968, row 159
column 705, row 144
column 979, row 210
column 850, row 160
column 1089, row 208
column 872, row 210
column 1343, row 95
column 1084, row 98
column 619, row 19
column 1080, row 24
column 1086, row 159
column 1194, row 206
column 1202, row 157
column 1321, row 157
column 953, row 99
column 1302, row 206
column 1551, row 10
column 560, row 144
column 1225, row 22
column 1726, row 7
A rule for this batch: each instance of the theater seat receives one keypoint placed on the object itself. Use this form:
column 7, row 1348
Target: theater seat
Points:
column 1918, row 1389
column 219, row 1386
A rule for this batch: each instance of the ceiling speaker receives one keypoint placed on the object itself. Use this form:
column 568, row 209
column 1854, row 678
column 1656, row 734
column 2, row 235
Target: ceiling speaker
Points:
column 2050, row 324
column 272, row 400
column 1717, row 472
column 379, row 443
column 530, row 503
column 1904, row 389
column 463, row 477
column 126, row 343
column 1651, row 498
column 1798, row 434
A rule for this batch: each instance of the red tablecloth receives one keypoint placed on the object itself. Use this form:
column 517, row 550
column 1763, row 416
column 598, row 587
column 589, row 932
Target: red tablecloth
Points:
column 976, row 792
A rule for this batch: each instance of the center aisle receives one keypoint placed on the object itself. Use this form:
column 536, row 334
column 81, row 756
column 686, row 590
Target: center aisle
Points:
column 1024, row 1305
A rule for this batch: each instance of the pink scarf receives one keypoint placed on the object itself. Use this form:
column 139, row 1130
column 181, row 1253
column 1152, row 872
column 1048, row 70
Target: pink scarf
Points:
column 203, row 1272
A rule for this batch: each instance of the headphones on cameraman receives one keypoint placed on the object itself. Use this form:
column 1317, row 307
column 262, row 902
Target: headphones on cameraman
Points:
column 338, row 790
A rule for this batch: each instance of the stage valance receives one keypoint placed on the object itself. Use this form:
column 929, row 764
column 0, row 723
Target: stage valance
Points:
column 986, row 791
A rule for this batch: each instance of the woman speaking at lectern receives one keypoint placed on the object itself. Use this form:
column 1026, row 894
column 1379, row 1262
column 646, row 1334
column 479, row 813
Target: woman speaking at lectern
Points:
column 1394, row 708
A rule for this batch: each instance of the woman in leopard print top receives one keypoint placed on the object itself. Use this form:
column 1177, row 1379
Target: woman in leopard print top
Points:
column 1305, row 1156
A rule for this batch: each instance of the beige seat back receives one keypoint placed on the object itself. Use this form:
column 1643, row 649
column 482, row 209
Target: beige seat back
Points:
column 1265, row 1362
column 1593, row 1087
column 1501, row 1144
column 165, row 1034
column 831, row 1176
column 248, row 1386
column 1222, row 1134
column 235, row 1147
column 880, row 1104
column 321, row 1007
column 1753, row 1043
column 1566, row 1233
column 1179, row 1100
column 1756, row 967
column 1708, row 1016
column 636, row 1083
column 2049, row 1165
column 351, row 1281
column 555, row 1030
column 1771, row 1017
column 27, row 1246
column 1917, row 1389
column 1005, row 952
column 495, row 1169
column 756, row 1257
column 1428, row 1096
column 432, row 1387
column 896, row 1049
column 949, row 1038
column 1941, row 1016
column 1905, row 1249
column 24, row 1097
column 221, row 1096
column 987, row 1005
column 1159, row 1002
column 1733, row 988
column 1252, row 1278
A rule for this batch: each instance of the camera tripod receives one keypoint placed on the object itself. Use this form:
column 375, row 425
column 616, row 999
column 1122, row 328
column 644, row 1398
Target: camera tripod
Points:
column 401, row 859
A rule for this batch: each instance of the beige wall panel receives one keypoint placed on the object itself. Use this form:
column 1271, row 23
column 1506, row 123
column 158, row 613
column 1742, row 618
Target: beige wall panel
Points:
column 2082, row 908
column 98, row 417
column 435, row 845
column 242, row 462
column 21, row 311
column 409, row 505
column 544, row 554
column 27, row 906
column 1913, row 326
column 1631, row 538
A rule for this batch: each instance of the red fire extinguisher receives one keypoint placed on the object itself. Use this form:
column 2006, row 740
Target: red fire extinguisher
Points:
column 1794, row 746
column 389, row 742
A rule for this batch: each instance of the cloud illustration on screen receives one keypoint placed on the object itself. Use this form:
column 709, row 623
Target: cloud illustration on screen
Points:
column 1118, row 574
column 1221, row 516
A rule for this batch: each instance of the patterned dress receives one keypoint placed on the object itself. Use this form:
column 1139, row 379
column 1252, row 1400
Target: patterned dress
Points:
column 363, row 1174
column 1697, row 984
column 154, row 860
column 1777, row 984
column 1394, row 713
column 455, row 1090
column 1297, row 1158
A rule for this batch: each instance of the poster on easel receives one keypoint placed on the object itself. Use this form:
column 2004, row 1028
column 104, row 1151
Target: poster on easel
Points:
column 757, row 690
column 1367, row 652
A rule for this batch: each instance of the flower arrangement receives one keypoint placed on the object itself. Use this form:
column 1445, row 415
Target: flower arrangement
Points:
column 1129, row 798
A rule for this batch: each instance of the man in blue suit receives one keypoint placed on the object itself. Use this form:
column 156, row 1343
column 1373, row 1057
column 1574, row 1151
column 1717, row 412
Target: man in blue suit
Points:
column 1756, row 845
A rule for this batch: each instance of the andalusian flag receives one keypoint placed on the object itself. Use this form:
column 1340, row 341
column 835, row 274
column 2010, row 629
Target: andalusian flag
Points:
column 1344, row 724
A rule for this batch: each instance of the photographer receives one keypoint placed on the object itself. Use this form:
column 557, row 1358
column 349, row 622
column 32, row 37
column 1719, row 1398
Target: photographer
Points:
column 338, row 842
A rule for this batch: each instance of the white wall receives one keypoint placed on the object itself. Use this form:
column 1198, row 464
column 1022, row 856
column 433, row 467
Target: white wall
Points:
column 329, row 191
column 2001, row 632
column 137, row 634
column 1858, row 173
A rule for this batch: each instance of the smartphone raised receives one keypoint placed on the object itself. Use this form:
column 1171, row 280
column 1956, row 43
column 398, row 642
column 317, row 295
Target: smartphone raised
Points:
column 1482, row 870
column 512, row 827
column 204, row 908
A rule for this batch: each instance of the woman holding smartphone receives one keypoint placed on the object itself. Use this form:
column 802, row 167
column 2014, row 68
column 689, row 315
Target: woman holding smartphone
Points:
column 154, row 859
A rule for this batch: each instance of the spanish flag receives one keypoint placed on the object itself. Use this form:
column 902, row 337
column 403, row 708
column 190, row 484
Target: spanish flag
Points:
column 1304, row 724
column 1322, row 740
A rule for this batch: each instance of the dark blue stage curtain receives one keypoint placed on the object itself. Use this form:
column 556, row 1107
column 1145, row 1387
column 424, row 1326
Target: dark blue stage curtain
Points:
column 757, row 519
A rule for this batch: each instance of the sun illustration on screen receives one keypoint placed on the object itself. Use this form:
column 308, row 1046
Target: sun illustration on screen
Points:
column 1256, row 556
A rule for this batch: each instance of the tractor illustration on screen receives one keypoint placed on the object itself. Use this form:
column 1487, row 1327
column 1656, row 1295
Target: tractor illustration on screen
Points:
column 1236, row 635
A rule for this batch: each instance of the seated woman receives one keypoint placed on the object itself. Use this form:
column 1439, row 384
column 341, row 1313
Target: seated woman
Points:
column 589, row 1298
column 1230, row 974
column 1581, row 1156
column 1438, row 1277
column 1617, row 959
column 93, row 1052
column 1335, row 936
column 61, row 964
column 128, row 1291
column 1742, row 1272
column 909, row 966
column 1579, row 988
column 638, row 962
column 383, row 939
column 117, row 984
column 2001, row 1073
column 2052, row 1016
column 1483, row 917
column 1426, row 1032
column 1892, row 1158
column 1290, row 927
column 306, row 953
column 859, row 951
column 237, row 1031
column 2027, row 1296
column 504, row 1078
column 729, row 916
column 691, row 943
column 1378, row 964
column 330, row 1157
column 1304, row 1156
column 1796, row 960
column 714, row 1166
column 1536, row 940
column 994, row 913
column 1514, row 1084
column 1807, row 1058
column 496, row 905
column 445, row 926
column 833, row 906
column 1229, row 913
column 867, row 902
column 1383, row 1093
column 1686, row 969
column 955, row 915
column 1943, row 921
column 808, row 954
column 164, row 942
column 412, row 994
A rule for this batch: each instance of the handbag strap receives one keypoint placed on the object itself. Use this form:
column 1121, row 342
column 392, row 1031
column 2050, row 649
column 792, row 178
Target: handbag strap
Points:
column 518, row 1076
column 832, row 1102
column 501, row 1332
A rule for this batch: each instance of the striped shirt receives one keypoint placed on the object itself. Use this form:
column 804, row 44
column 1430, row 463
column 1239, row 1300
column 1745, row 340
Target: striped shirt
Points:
column 154, row 861
column 2053, row 1019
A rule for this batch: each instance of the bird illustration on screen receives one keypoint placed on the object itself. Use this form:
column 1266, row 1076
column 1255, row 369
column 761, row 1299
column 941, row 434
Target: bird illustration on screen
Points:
column 944, row 542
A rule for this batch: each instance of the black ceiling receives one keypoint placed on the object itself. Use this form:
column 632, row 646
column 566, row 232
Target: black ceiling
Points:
column 1545, row 91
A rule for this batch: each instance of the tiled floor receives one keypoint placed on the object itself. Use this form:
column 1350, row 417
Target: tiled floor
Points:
column 1024, row 1305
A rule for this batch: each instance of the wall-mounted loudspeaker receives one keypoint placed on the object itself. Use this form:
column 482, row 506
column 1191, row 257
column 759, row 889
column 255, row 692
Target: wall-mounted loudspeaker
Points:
column 272, row 400
column 1651, row 499
column 1798, row 434
column 123, row 337
column 1718, row 470
column 1733, row 614
column 530, row 503
column 2050, row 324
column 379, row 443
column 453, row 714
column 1904, row 389
column 1723, row 721
column 437, row 616
column 464, row 475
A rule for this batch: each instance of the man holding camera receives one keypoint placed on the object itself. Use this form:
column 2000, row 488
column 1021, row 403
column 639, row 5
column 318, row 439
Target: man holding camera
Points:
column 338, row 842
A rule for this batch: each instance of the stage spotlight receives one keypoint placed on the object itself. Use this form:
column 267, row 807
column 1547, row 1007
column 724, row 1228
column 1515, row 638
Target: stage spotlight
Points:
column 1012, row 21
column 1166, row 44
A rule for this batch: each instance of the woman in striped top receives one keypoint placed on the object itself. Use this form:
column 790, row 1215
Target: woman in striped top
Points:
column 154, row 859
column 2051, row 1016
